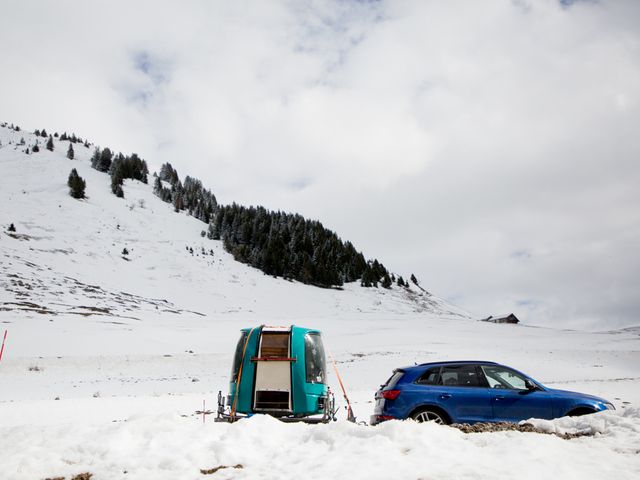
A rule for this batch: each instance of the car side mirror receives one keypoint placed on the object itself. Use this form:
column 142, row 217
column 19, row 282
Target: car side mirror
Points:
column 530, row 385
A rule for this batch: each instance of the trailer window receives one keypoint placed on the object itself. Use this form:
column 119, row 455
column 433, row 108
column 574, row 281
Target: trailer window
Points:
column 315, row 359
column 274, row 345
column 237, row 358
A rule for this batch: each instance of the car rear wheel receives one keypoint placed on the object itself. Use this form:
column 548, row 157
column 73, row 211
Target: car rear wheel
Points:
column 429, row 415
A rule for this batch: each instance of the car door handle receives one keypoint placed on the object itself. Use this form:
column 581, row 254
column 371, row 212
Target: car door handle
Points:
column 499, row 397
column 444, row 396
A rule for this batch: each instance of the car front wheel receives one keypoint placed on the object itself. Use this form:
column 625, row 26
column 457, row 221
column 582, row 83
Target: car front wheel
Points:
column 429, row 415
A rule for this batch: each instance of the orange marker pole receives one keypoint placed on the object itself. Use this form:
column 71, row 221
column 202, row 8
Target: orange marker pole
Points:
column 3, row 340
column 350, row 416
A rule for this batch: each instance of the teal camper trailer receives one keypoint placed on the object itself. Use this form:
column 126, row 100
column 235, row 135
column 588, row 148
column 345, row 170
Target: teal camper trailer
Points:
column 279, row 371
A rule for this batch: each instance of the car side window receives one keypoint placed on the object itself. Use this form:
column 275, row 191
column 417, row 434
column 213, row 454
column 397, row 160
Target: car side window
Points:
column 501, row 377
column 430, row 377
column 460, row 376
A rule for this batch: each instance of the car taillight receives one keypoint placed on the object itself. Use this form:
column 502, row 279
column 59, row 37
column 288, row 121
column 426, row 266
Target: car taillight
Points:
column 390, row 394
column 384, row 418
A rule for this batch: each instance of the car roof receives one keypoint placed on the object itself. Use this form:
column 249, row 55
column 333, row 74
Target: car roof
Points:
column 449, row 362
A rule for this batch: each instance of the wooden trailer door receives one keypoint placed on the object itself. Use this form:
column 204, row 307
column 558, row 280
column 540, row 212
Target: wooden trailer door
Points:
column 273, row 371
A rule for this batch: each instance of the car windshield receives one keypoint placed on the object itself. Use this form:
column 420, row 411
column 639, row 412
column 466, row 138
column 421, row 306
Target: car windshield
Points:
column 501, row 377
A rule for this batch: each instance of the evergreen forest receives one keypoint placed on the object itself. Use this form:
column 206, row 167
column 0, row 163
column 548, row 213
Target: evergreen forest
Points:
column 280, row 244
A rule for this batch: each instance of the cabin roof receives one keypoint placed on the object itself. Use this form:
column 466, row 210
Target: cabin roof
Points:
column 272, row 328
column 283, row 329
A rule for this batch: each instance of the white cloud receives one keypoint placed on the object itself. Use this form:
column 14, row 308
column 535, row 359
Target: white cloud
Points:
column 489, row 147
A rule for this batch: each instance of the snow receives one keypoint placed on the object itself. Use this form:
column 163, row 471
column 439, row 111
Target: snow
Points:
column 107, row 359
column 171, row 446
column 605, row 423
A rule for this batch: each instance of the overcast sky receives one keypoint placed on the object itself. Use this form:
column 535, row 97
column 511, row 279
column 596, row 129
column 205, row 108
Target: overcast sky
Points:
column 492, row 148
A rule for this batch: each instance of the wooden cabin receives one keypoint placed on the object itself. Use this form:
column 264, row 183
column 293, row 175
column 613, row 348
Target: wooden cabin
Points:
column 508, row 318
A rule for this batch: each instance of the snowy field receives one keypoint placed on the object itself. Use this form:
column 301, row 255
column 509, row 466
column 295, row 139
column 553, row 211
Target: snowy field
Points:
column 108, row 358
column 135, row 413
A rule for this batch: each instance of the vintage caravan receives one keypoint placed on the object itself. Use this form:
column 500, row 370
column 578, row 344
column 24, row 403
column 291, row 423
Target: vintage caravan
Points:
column 280, row 371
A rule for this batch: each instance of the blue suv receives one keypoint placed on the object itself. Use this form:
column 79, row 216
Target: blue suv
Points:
column 471, row 392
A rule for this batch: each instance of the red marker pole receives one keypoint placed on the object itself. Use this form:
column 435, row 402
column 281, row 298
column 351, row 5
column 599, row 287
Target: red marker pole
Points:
column 3, row 339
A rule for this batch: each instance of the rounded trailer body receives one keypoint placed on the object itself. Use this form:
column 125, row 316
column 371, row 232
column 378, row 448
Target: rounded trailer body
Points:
column 280, row 371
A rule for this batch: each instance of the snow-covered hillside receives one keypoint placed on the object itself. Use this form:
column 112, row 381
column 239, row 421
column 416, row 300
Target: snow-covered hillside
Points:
column 66, row 254
column 109, row 355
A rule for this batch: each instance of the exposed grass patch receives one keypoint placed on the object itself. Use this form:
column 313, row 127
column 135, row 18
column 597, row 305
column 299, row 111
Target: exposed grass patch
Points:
column 80, row 476
column 507, row 426
column 210, row 471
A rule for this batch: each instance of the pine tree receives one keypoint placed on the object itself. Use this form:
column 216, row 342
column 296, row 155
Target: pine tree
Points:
column 95, row 158
column 70, row 152
column 367, row 277
column 50, row 144
column 12, row 228
column 178, row 202
column 76, row 184
column 157, row 186
column 386, row 281
column 35, row 148
column 104, row 164
column 414, row 279
column 116, row 182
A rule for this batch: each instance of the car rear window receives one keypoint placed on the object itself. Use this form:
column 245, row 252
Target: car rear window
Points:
column 397, row 375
